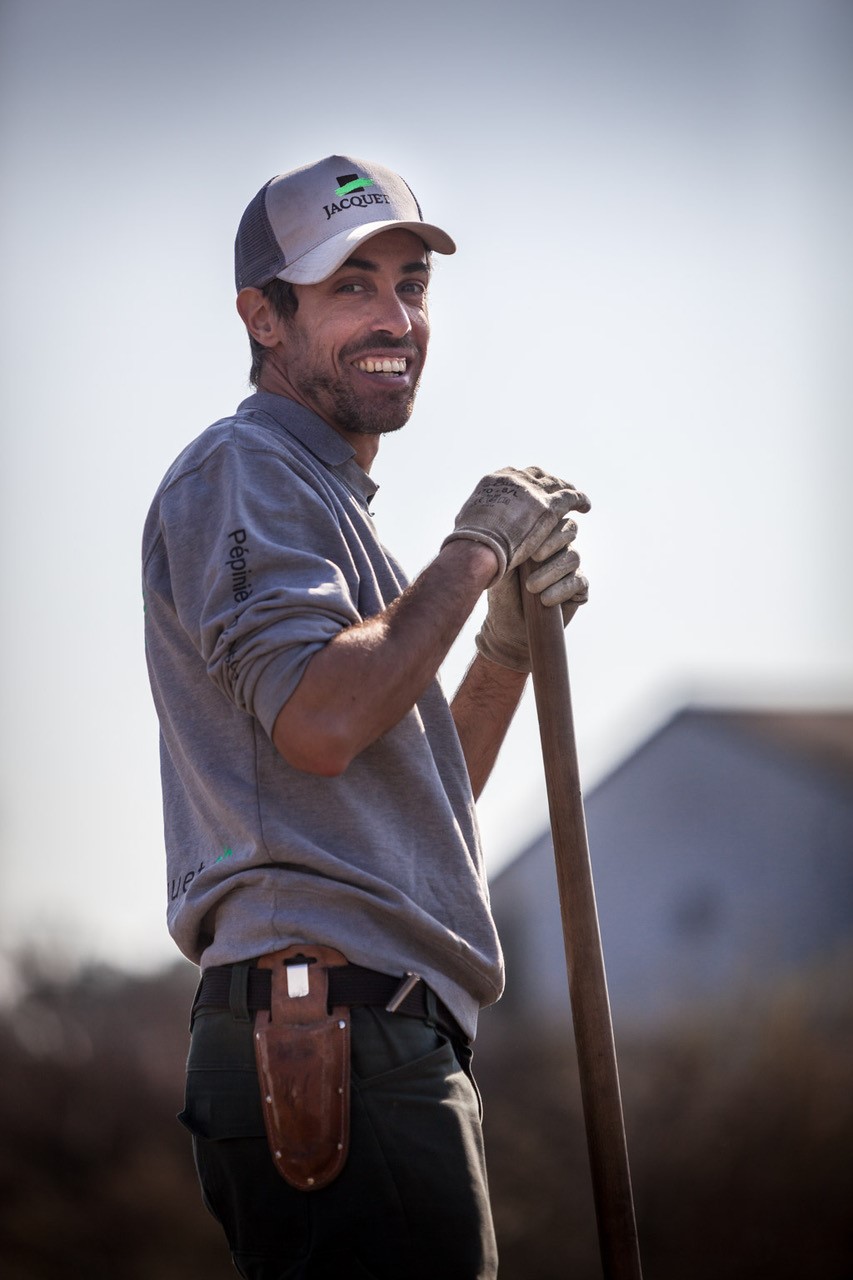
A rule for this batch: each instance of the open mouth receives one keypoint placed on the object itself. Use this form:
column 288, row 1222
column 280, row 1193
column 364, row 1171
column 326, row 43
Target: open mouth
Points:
column 385, row 368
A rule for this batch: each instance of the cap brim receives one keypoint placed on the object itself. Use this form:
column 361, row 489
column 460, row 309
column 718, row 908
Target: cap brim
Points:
column 318, row 264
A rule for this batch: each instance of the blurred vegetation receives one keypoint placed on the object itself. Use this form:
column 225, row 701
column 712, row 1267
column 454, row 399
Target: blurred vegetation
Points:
column 739, row 1121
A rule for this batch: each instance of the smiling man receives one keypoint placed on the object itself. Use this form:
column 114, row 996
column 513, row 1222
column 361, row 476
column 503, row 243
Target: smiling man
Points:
column 354, row 350
column 324, row 864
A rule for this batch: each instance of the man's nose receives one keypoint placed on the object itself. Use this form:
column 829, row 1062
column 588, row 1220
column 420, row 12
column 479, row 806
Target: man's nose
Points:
column 390, row 314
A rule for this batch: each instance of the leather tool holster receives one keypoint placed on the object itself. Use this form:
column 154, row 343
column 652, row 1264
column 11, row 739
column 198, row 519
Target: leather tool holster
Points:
column 303, row 1057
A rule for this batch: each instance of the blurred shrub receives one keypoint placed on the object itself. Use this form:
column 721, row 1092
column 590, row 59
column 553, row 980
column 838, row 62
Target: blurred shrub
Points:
column 96, row 1174
column 739, row 1120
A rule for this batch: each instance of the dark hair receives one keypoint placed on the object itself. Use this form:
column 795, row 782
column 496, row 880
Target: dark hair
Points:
column 282, row 299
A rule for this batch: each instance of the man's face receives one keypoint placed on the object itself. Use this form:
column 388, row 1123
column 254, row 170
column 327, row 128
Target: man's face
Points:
column 355, row 348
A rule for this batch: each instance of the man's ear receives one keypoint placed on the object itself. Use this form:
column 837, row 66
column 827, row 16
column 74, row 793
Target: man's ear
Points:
column 258, row 317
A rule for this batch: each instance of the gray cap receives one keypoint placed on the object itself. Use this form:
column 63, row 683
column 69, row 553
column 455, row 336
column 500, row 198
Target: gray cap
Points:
column 302, row 225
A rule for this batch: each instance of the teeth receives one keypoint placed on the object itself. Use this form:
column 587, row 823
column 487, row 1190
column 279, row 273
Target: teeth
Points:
column 381, row 366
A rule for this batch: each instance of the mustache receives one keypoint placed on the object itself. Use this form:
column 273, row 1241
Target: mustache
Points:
column 387, row 343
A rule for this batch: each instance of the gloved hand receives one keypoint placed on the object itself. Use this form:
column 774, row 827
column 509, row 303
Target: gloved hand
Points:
column 513, row 512
column 503, row 635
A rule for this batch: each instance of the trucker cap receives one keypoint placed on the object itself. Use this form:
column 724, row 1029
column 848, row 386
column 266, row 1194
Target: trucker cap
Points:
column 302, row 225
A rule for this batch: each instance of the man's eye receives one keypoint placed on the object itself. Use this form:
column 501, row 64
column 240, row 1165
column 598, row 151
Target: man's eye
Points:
column 414, row 286
column 351, row 286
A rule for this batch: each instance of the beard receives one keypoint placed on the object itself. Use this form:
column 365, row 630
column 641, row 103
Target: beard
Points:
column 359, row 410
column 362, row 415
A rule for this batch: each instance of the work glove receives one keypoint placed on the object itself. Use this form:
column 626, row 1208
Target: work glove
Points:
column 513, row 512
column 503, row 635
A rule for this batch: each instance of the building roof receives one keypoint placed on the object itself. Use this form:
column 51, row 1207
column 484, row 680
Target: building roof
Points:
column 722, row 851
column 825, row 737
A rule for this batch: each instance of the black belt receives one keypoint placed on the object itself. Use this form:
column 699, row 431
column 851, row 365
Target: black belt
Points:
column 348, row 985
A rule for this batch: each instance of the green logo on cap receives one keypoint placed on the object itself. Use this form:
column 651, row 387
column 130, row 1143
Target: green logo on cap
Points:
column 350, row 183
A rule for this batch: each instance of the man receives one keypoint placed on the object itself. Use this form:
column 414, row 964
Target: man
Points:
column 324, row 862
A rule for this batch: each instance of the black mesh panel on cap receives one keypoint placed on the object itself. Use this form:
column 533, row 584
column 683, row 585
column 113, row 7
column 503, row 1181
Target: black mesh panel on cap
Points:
column 257, row 255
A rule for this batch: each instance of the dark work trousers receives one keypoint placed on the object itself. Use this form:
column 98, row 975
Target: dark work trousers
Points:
column 411, row 1202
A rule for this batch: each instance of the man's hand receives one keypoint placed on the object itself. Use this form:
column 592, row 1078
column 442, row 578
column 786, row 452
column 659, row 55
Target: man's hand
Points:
column 503, row 636
column 513, row 512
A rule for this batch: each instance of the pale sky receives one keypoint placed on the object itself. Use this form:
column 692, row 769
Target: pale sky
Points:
column 652, row 203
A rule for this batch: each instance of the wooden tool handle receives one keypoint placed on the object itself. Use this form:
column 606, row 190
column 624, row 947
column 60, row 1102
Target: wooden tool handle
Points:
column 596, row 1050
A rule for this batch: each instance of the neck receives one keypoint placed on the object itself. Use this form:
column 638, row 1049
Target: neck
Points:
column 365, row 444
column 366, row 447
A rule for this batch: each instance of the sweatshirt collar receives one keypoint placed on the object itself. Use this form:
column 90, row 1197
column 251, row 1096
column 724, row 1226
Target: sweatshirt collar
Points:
column 317, row 437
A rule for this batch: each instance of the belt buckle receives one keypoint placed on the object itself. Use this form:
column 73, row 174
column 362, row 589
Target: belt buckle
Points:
column 406, row 987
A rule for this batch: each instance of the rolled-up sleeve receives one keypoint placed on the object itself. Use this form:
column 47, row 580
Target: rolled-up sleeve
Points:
column 260, row 571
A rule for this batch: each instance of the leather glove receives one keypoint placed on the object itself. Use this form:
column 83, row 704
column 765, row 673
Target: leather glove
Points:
column 503, row 635
column 513, row 512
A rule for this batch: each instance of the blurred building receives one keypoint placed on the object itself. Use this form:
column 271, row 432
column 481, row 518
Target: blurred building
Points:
column 722, row 854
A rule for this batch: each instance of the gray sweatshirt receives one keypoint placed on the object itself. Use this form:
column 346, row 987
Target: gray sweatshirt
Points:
column 258, row 549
